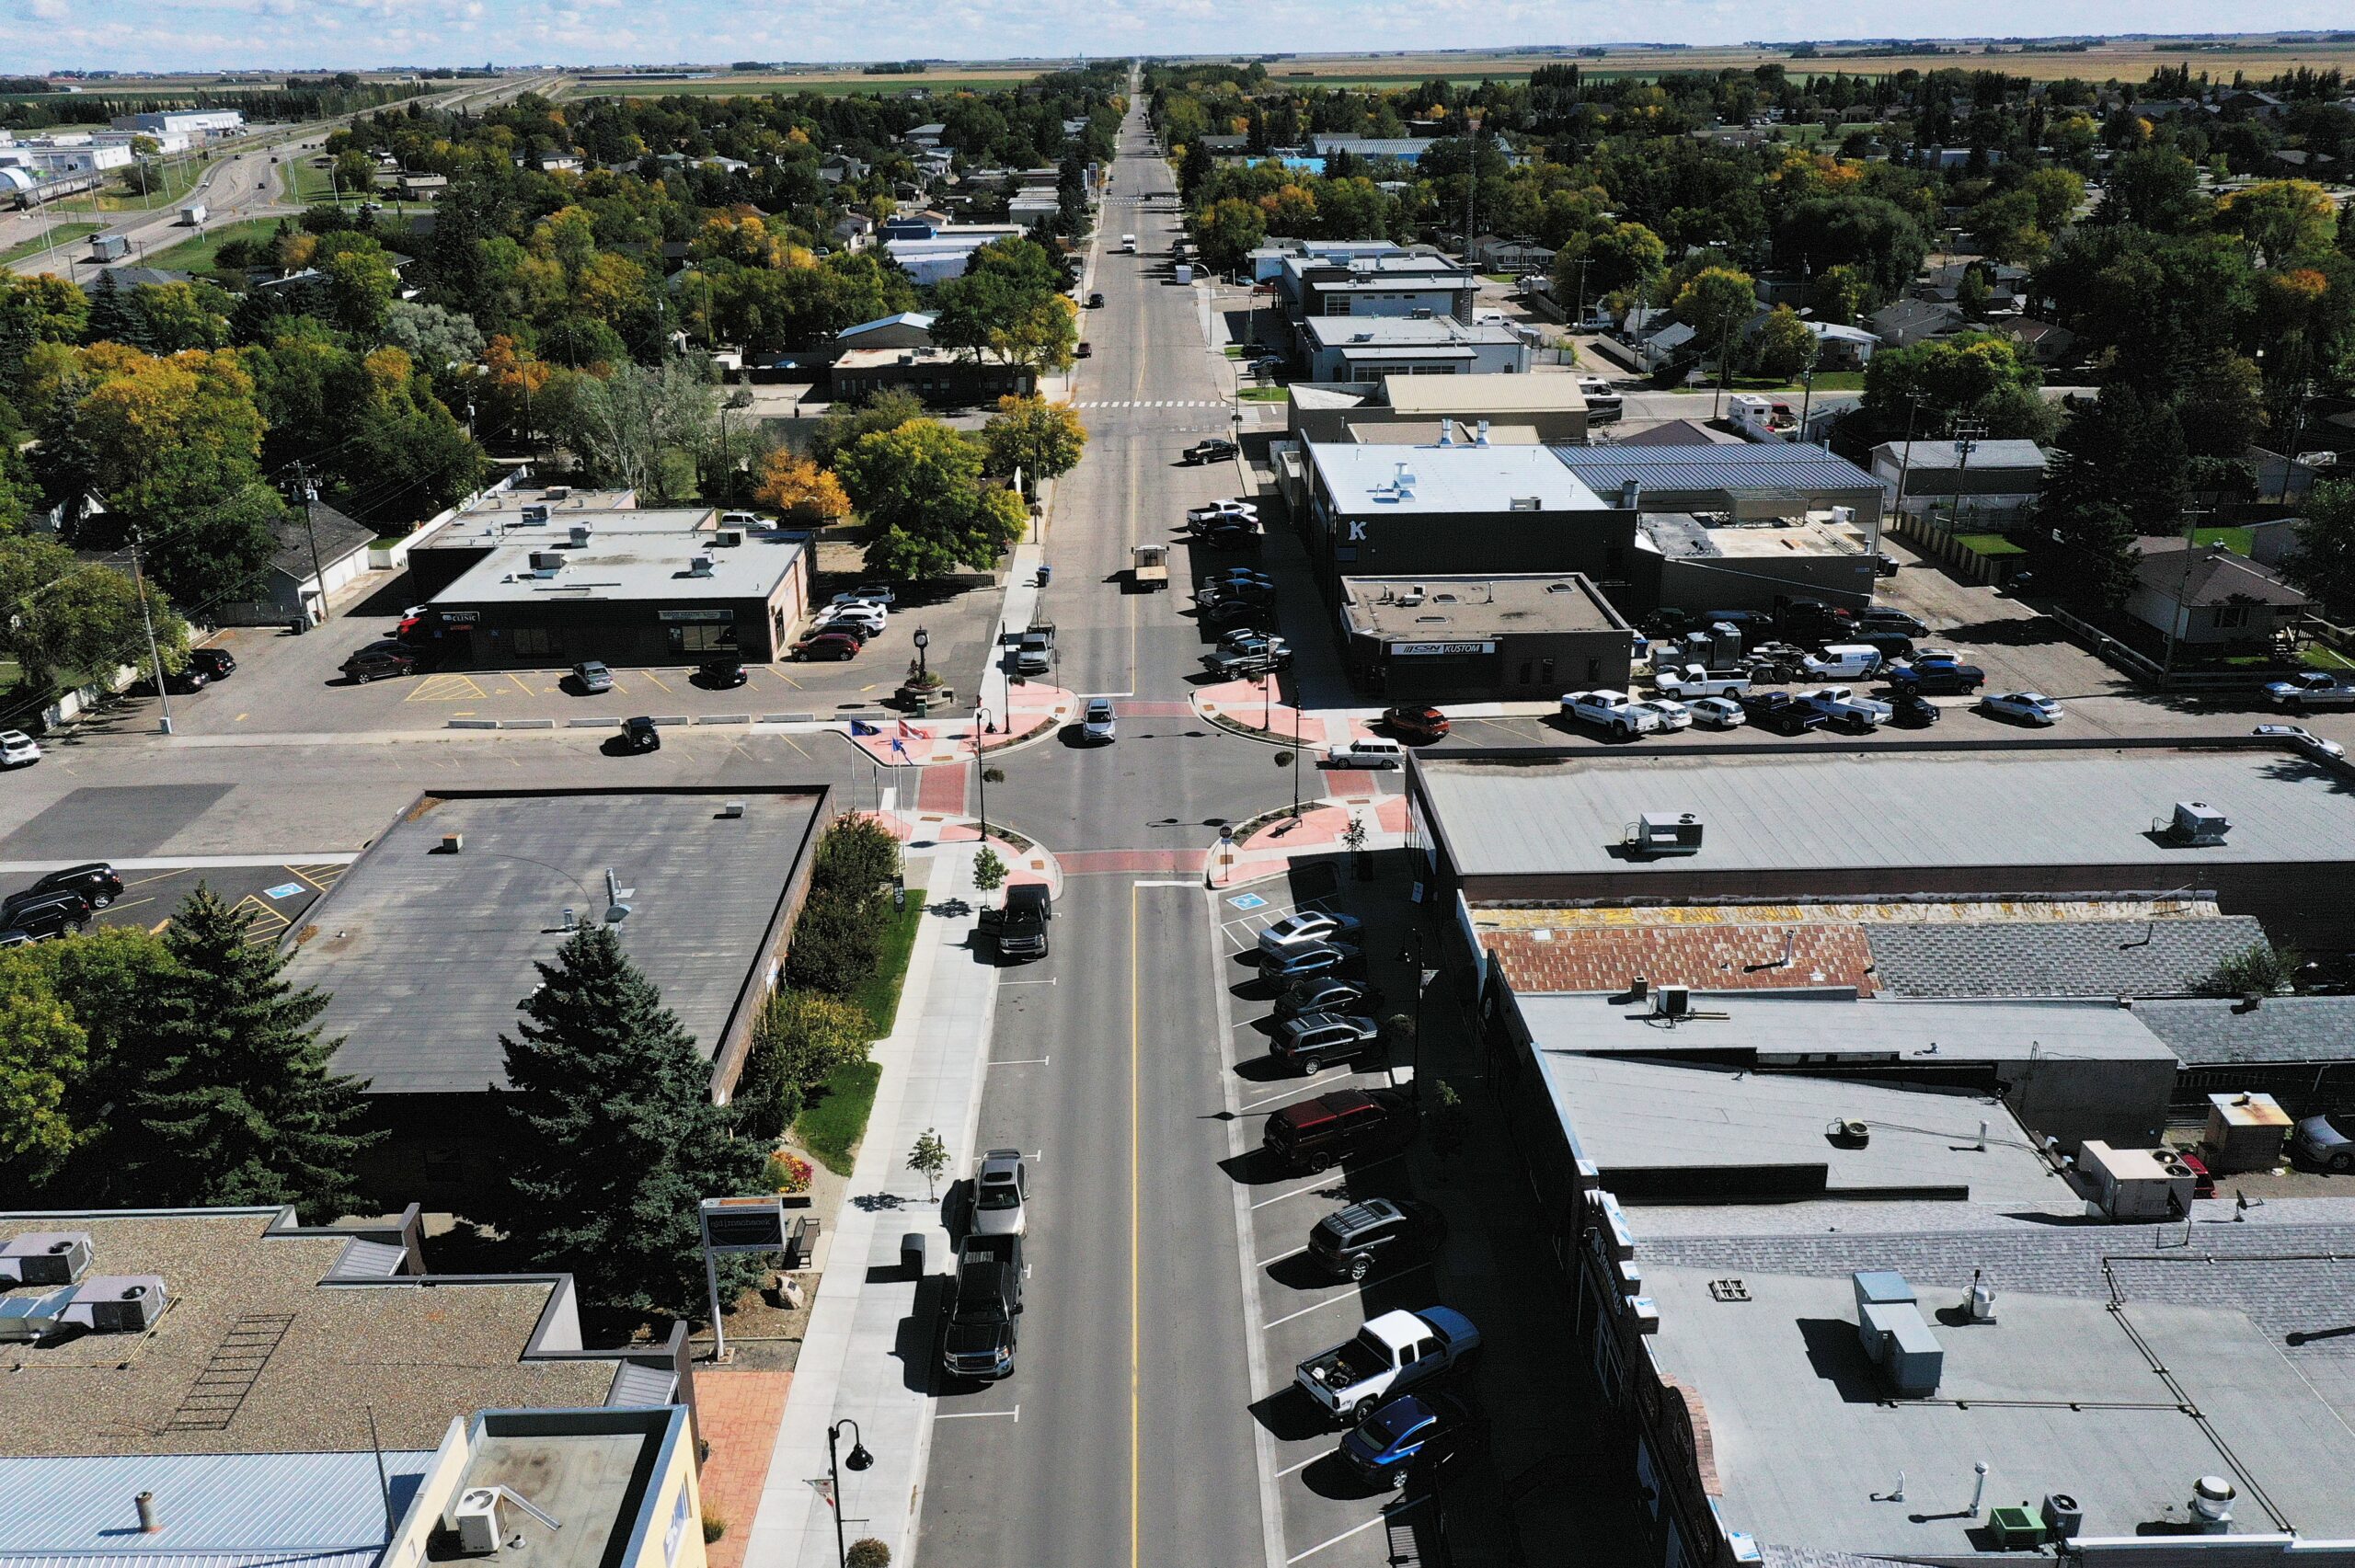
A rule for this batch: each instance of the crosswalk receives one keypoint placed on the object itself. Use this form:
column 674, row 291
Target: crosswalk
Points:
column 1147, row 403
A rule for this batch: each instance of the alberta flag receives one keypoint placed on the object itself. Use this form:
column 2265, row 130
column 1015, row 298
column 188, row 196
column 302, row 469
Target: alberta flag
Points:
column 858, row 728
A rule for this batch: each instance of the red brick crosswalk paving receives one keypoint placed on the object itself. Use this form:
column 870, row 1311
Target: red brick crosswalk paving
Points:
column 739, row 1413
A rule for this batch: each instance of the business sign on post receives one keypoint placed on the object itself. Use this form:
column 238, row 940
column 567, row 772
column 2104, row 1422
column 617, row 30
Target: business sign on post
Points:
column 743, row 1224
column 1430, row 650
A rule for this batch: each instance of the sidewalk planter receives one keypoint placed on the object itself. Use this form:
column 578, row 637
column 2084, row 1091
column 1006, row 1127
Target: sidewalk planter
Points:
column 922, row 701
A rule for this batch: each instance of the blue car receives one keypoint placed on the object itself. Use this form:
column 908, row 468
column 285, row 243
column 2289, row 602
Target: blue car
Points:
column 1416, row 1429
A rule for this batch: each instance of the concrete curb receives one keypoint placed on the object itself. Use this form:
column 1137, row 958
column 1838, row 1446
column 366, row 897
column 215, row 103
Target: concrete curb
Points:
column 723, row 718
column 528, row 723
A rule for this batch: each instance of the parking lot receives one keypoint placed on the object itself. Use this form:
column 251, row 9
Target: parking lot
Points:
column 289, row 683
column 273, row 898
column 1485, row 1267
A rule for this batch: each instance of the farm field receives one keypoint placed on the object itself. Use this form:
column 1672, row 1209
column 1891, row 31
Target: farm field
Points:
column 832, row 84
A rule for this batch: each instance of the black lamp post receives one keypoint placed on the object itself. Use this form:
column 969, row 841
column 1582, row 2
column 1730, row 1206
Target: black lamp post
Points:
column 923, row 640
column 859, row 1459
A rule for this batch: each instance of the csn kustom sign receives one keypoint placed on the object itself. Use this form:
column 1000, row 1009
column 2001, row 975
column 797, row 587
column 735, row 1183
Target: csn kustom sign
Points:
column 1434, row 650
column 737, row 1225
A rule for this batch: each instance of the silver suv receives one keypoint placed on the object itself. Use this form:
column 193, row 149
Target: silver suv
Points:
column 1002, row 1195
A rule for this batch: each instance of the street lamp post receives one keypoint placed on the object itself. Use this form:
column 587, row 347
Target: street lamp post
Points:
column 858, row 1459
column 982, row 770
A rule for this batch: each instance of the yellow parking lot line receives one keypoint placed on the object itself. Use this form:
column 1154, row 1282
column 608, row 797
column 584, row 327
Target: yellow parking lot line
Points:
column 656, row 679
column 447, row 689
column 519, row 684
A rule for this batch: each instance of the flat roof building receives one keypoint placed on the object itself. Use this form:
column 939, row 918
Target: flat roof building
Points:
column 1685, row 562
column 1373, row 348
column 1385, row 283
column 1437, row 639
column 629, row 587
column 1413, row 410
column 272, row 1337
column 1751, row 482
column 426, row 951
column 2037, row 819
column 942, row 377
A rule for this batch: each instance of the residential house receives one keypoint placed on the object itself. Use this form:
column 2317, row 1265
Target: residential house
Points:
column 1492, row 253
column 2045, row 342
column 1842, row 347
column 927, row 136
column 319, row 550
column 1665, row 346
column 1908, row 322
column 838, row 167
column 2206, row 594
column 853, row 231
column 907, row 329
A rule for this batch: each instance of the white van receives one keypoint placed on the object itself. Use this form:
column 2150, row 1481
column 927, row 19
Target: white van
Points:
column 1370, row 753
column 1129, row 243
column 1842, row 660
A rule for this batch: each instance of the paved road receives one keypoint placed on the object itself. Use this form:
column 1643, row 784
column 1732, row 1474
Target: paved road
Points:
column 240, row 182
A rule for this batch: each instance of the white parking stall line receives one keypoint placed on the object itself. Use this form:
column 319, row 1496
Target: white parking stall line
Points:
column 1025, row 1062
column 1295, row 1470
column 1348, row 1294
column 1270, row 1263
column 1298, row 1085
column 975, row 1414
column 1359, row 1529
column 1321, row 1186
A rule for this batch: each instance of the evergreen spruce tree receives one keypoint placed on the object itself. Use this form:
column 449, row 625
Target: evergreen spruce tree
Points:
column 112, row 318
column 233, row 1101
column 616, row 1137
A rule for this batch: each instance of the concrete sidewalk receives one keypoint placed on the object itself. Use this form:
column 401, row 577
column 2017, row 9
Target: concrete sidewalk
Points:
column 864, row 1357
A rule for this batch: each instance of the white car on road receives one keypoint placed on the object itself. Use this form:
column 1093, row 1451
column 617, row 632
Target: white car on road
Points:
column 17, row 750
column 2305, row 739
column 2028, row 707
column 1718, row 713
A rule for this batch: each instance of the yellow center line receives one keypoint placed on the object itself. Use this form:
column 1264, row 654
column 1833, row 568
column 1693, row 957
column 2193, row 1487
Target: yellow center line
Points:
column 1136, row 1231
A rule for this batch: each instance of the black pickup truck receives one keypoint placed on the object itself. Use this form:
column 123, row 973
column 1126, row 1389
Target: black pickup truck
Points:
column 984, row 1309
column 1020, row 928
column 1782, row 713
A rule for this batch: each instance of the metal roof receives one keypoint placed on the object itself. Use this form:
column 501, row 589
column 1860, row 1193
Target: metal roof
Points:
column 2207, row 1032
column 1761, row 466
column 263, row 1507
column 1932, row 457
column 1892, row 810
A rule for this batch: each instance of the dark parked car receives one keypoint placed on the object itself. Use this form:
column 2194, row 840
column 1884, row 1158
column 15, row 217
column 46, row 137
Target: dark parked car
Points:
column 1910, row 710
column 378, row 661
column 1083, row 351
column 1235, row 538
column 826, row 645
column 1309, row 1135
column 1381, row 1232
column 178, row 682
column 721, row 673
column 1889, row 618
column 1215, row 449
column 95, row 880
column 640, row 735
column 1416, row 723
column 1096, row 301
column 1315, row 959
column 1782, row 713
column 1327, row 993
column 217, row 663
column 1419, row 1429
column 1937, row 677
column 1233, row 611
column 48, row 914
column 1313, row 1039
column 859, row 631
column 1890, row 645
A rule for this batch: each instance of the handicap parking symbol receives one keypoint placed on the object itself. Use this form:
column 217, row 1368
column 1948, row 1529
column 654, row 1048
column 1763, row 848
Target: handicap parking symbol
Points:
column 1249, row 901
column 284, row 890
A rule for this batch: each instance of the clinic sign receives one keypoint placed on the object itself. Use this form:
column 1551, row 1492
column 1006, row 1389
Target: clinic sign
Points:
column 1438, row 650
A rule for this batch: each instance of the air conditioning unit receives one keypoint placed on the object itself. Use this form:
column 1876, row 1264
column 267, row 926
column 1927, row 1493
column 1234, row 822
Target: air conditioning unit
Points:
column 45, row 1257
column 1675, row 1001
column 727, row 538
column 558, row 492
column 1526, row 503
column 2196, row 822
column 546, row 563
column 127, row 1304
column 2136, row 1183
column 700, row 565
column 579, row 536
column 535, row 512
column 474, row 1519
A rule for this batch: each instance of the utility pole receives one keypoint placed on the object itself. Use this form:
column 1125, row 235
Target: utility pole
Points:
column 1967, row 436
column 1724, row 365
column 318, row 572
column 2181, row 617
column 154, row 655
column 1905, row 458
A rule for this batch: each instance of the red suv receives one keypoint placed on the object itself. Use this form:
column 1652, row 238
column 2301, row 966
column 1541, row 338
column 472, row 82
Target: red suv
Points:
column 1309, row 1135
column 827, row 644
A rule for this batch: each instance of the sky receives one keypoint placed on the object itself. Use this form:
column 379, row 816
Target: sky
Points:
column 166, row 35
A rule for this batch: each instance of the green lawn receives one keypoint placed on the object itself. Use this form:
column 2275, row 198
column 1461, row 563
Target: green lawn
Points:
column 197, row 252
column 2239, row 540
column 1263, row 395
column 2322, row 658
column 59, row 234
column 1988, row 544
column 831, row 1128
column 168, row 181
column 833, row 87
column 881, row 995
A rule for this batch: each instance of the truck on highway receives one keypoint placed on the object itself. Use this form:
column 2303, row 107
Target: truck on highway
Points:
column 2312, row 689
column 1693, row 680
column 1129, row 243
column 1148, row 567
column 1390, row 1354
column 109, row 248
column 193, row 215
column 1614, row 711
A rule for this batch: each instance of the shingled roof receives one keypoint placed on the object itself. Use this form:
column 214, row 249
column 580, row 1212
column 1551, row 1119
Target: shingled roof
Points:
column 1714, row 958
column 2006, row 958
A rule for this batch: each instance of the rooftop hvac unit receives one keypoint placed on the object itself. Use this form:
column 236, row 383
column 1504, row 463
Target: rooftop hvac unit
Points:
column 727, row 538
column 1526, row 503
column 1893, row 1333
column 2063, row 1517
column 2136, row 1183
column 1664, row 832
column 579, row 536
column 700, row 565
column 1843, row 516
column 558, row 492
column 45, row 1257
column 534, row 511
column 2196, row 822
column 475, row 1518
column 125, row 1303
column 1675, row 1002
column 546, row 563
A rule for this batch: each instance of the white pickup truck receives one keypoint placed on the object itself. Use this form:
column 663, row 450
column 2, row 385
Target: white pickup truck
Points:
column 1614, row 711
column 2310, row 689
column 1842, row 705
column 1390, row 1354
column 1692, row 680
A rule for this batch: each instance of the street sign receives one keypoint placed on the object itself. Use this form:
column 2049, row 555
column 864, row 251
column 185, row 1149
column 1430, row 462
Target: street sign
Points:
column 743, row 1224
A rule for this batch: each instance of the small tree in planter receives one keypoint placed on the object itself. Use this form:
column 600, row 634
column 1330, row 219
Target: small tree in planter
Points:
column 1449, row 1125
column 989, row 870
column 1353, row 839
column 930, row 1156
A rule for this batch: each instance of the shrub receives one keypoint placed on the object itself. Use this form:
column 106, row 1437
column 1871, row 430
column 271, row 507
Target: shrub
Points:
column 868, row 1554
column 837, row 944
column 989, row 870
column 799, row 1038
column 714, row 1526
column 858, row 856
column 789, row 1171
